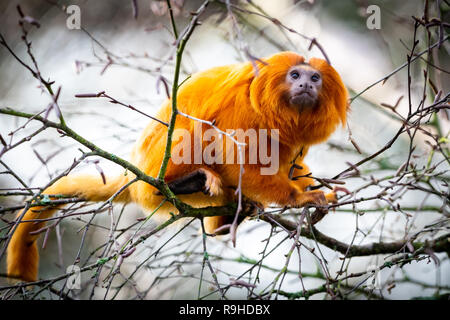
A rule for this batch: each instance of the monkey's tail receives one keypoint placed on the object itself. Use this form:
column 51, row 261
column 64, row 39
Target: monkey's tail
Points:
column 22, row 252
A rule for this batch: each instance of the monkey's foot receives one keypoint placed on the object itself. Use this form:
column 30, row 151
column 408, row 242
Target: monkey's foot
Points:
column 315, row 198
column 331, row 197
column 317, row 215
column 213, row 183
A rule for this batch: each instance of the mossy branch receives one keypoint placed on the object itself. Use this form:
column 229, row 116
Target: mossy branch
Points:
column 440, row 244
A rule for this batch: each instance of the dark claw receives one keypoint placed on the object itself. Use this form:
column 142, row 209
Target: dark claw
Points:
column 317, row 215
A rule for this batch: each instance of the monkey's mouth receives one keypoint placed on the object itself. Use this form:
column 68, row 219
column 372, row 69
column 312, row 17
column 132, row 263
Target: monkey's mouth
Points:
column 303, row 99
column 303, row 95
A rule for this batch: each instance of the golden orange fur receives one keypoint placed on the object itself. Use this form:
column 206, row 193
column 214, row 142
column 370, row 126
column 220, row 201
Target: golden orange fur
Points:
column 235, row 98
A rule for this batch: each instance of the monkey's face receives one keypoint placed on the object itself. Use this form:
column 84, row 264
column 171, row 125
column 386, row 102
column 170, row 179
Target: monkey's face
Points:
column 304, row 84
column 306, row 101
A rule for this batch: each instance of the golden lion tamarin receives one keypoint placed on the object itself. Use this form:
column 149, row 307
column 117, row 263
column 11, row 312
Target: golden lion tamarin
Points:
column 303, row 101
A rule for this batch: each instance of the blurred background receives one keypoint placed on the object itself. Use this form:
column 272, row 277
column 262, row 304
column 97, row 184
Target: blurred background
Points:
column 123, row 52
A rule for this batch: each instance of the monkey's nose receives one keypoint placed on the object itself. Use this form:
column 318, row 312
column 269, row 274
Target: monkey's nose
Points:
column 306, row 86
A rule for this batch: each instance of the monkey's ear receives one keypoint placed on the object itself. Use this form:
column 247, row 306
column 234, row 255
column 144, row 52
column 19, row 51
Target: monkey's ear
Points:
column 333, row 88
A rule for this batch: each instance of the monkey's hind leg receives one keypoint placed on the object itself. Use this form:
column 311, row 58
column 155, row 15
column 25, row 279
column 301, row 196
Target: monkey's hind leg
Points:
column 201, row 180
column 190, row 183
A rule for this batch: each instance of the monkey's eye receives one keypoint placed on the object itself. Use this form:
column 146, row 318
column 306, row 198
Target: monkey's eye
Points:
column 295, row 75
column 315, row 77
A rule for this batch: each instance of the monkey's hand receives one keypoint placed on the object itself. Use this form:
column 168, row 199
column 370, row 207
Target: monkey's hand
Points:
column 332, row 197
